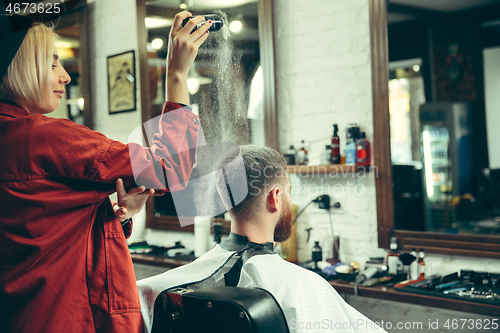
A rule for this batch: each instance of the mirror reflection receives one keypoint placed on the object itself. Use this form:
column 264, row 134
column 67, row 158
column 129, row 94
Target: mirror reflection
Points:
column 225, row 82
column 220, row 80
column 68, row 46
column 443, row 101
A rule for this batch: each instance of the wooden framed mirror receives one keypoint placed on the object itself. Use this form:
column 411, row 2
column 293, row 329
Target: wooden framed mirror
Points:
column 253, row 49
column 456, row 243
column 73, row 49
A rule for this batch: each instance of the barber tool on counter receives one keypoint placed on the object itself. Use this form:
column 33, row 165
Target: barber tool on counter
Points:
column 407, row 259
column 414, row 274
column 365, row 275
column 475, row 286
column 372, row 276
column 421, row 264
column 347, row 272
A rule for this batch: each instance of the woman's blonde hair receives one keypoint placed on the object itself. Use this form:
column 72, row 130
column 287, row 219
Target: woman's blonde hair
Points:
column 27, row 81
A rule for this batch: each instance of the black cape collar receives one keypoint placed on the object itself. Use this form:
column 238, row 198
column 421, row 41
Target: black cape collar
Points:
column 235, row 242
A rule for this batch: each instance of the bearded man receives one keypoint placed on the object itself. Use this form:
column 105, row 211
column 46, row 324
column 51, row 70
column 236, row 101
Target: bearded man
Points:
column 260, row 216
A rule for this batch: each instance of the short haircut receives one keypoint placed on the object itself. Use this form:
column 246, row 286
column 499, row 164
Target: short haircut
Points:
column 27, row 81
column 265, row 168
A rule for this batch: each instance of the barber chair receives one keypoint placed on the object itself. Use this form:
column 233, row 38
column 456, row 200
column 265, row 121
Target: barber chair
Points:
column 201, row 308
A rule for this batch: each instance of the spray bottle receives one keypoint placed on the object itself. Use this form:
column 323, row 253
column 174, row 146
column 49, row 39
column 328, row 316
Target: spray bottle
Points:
column 217, row 22
column 335, row 152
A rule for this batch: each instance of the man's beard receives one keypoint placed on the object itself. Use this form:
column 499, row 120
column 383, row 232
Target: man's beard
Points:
column 283, row 229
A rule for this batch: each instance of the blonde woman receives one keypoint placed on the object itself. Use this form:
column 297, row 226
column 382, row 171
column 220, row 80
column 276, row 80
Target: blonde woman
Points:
column 64, row 263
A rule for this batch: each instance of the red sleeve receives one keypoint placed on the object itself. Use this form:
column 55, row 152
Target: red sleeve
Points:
column 167, row 164
column 62, row 148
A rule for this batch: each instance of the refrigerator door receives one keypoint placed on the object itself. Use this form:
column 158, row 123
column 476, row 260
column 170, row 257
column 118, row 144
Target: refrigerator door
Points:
column 446, row 150
column 437, row 164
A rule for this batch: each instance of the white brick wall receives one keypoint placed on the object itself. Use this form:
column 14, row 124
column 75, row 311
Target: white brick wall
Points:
column 324, row 77
column 113, row 30
column 323, row 71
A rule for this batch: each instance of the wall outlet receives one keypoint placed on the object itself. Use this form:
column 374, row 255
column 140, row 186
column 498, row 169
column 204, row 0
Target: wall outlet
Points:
column 341, row 209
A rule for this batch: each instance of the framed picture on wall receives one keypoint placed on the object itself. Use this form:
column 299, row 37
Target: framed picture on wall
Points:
column 121, row 82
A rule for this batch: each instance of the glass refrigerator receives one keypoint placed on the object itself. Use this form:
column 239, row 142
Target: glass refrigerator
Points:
column 446, row 151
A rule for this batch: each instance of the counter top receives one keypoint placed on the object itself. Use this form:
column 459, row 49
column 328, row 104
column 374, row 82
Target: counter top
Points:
column 158, row 261
column 391, row 294
column 345, row 287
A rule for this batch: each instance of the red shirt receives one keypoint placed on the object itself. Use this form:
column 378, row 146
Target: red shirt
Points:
column 64, row 260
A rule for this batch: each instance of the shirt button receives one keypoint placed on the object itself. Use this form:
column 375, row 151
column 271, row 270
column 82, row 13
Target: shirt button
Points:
column 196, row 120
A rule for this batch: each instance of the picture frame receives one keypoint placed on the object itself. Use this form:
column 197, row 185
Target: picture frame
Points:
column 122, row 82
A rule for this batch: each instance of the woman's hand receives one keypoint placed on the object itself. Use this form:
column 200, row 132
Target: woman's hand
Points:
column 182, row 50
column 182, row 45
column 131, row 202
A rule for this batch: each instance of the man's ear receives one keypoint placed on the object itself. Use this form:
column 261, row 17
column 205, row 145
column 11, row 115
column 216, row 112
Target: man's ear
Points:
column 272, row 200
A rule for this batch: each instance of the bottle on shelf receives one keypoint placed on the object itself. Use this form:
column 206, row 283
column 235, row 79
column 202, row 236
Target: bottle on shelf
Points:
column 363, row 151
column 393, row 257
column 421, row 264
column 325, row 156
column 350, row 144
column 302, row 155
column 414, row 272
column 317, row 254
column 335, row 152
column 291, row 156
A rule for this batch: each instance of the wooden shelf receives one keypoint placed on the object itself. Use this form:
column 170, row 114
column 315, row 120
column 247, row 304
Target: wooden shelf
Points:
column 339, row 169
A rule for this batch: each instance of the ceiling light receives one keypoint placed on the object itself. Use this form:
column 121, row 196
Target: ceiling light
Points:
column 195, row 80
column 157, row 22
column 64, row 44
column 81, row 103
column 157, row 43
column 416, row 68
column 185, row 4
column 235, row 26
column 65, row 53
column 193, row 84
